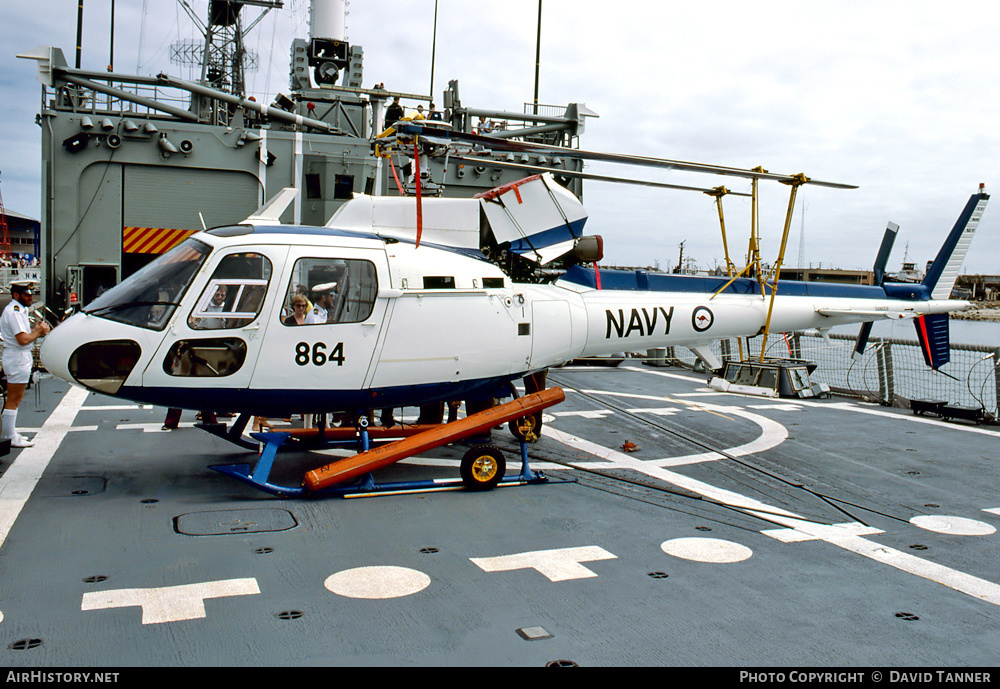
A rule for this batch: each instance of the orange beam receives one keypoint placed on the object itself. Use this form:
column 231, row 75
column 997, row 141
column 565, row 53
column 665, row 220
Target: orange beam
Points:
column 364, row 462
column 349, row 432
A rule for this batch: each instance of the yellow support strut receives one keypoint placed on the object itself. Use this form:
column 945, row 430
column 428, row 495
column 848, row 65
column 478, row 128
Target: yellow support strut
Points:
column 797, row 181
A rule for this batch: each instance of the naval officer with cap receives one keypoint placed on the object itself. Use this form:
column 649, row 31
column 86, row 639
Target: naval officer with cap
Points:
column 321, row 312
column 18, row 336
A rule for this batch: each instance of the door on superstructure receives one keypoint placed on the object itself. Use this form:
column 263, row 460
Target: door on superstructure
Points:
column 162, row 206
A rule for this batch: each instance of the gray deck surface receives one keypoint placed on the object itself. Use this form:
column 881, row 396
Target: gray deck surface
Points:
column 827, row 534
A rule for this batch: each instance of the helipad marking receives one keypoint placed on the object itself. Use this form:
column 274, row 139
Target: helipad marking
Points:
column 72, row 429
column 688, row 379
column 156, row 427
column 23, row 474
column 377, row 583
column 655, row 411
column 796, row 536
column 586, row 414
column 958, row 526
column 712, row 550
column 913, row 418
column 562, row 564
column 21, row 477
column 773, row 433
column 169, row 603
column 845, row 538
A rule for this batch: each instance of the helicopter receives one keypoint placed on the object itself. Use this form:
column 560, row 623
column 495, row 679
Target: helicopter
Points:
column 424, row 314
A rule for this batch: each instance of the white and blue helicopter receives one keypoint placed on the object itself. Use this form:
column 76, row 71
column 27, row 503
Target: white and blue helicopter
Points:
column 422, row 312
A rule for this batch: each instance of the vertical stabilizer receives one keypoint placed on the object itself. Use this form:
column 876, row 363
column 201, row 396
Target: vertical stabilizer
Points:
column 943, row 272
column 932, row 331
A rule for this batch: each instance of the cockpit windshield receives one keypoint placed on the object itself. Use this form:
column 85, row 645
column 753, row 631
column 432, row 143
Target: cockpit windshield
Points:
column 147, row 299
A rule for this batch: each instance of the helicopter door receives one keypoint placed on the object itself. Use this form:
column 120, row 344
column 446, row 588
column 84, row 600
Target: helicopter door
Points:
column 216, row 341
column 324, row 335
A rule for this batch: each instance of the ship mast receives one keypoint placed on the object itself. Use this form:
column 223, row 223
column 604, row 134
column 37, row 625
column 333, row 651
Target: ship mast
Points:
column 222, row 53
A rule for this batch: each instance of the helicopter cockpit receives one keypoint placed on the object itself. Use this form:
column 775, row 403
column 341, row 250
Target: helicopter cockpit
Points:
column 150, row 296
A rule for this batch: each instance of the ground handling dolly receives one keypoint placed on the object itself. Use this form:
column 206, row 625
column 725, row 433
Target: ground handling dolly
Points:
column 482, row 467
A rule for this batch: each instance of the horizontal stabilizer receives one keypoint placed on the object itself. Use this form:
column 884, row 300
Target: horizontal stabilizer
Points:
column 867, row 313
column 932, row 331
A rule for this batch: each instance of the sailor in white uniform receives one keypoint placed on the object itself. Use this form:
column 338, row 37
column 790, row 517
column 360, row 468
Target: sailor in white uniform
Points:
column 324, row 302
column 18, row 336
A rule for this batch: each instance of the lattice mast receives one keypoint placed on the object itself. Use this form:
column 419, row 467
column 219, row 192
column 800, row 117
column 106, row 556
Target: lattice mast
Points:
column 222, row 55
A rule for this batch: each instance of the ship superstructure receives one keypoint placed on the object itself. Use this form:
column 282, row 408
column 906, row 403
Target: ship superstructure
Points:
column 134, row 164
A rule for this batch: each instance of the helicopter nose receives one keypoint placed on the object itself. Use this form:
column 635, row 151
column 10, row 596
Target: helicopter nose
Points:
column 56, row 350
column 72, row 353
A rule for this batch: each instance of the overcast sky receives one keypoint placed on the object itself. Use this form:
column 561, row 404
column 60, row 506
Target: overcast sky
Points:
column 899, row 98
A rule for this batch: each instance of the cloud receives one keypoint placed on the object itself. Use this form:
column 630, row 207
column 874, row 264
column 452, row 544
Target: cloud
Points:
column 900, row 98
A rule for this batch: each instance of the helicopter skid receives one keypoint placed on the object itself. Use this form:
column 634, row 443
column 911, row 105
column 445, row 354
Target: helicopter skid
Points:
column 311, row 437
column 483, row 466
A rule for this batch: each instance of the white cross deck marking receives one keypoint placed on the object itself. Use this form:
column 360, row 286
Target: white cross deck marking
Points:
column 169, row 603
column 588, row 414
column 562, row 564
column 840, row 536
column 152, row 427
column 655, row 411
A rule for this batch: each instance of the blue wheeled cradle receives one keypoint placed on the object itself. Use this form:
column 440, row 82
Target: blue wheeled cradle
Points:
column 258, row 475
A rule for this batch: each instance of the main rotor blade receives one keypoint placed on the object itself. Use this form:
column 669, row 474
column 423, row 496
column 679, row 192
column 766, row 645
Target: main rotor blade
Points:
column 883, row 252
column 496, row 144
column 585, row 175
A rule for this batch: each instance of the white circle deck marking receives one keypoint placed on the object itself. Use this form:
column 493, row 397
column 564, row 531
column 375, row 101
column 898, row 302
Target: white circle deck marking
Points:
column 958, row 526
column 772, row 432
column 706, row 550
column 377, row 582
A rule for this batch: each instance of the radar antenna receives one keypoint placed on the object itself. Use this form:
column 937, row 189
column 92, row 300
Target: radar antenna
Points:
column 222, row 55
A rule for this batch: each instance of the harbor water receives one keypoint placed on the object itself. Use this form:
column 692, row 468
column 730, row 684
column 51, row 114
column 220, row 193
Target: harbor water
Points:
column 986, row 333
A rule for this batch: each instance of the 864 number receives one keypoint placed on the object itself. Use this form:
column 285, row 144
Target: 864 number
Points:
column 316, row 355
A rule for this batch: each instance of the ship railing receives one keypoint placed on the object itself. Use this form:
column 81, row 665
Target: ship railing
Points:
column 9, row 274
column 140, row 100
column 891, row 372
column 546, row 110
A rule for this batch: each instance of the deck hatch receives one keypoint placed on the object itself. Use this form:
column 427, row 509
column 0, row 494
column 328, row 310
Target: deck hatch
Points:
column 228, row 522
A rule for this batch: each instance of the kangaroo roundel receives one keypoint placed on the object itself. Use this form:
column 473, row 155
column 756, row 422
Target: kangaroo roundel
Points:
column 702, row 318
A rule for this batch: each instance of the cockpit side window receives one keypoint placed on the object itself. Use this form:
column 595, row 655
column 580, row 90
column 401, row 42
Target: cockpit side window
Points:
column 329, row 290
column 235, row 293
column 147, row 299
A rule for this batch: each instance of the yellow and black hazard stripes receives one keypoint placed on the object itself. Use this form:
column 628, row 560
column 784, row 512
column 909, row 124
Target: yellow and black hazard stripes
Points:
column 152, row 240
